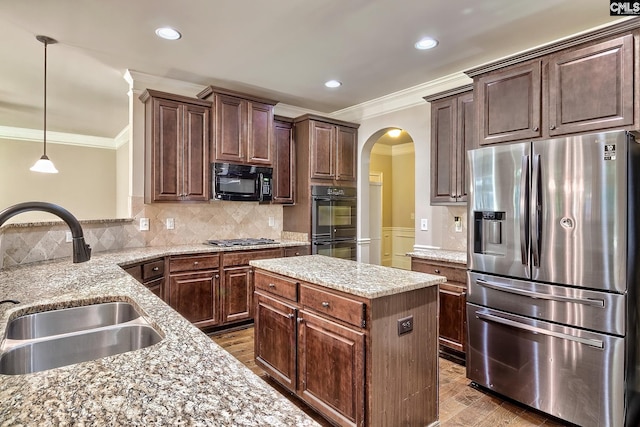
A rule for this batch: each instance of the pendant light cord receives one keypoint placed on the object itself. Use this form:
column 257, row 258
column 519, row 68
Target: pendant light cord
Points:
column 45, row 98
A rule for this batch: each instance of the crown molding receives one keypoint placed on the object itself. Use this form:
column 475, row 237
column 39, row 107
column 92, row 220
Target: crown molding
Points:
column 291, row 111
column 122, row 138
column 393, row 150
column 140, row 81
column 401, row 100
column 35, row 135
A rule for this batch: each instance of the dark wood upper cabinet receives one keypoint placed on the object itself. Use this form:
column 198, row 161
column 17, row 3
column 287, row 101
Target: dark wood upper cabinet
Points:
column 284, row 167
column 509, row 103
column 591, row 88
column 327, row 150
column 584, row 84
column 452, row 134
column 243, row 127
column 176, row 147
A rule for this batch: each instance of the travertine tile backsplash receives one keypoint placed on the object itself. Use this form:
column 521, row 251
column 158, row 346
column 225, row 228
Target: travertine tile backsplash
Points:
column 194, row 223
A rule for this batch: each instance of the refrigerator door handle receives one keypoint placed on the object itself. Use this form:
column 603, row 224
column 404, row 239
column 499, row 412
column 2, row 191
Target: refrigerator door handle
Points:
column 524, row 211
column 536, row 211
column 536, row 330
column 538, row 295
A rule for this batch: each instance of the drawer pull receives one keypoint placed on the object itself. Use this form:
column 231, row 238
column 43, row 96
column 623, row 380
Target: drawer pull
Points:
column 271, row 285
column 437, row 271
column 155, row 268
column 195, row 262
column 325, row 304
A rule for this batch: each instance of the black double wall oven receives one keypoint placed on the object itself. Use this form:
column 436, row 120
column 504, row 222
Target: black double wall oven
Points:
column 333, row 221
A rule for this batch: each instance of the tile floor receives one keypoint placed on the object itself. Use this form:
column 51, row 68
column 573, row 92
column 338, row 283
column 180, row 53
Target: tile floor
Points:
column 461, row 405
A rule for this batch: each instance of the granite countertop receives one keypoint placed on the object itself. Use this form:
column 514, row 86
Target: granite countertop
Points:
column 185, row 379
column 365, row 280
column 458, row 257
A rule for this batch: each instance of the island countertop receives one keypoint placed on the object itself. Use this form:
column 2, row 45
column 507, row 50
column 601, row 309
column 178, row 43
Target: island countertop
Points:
column 356, row 278
column 185, row 379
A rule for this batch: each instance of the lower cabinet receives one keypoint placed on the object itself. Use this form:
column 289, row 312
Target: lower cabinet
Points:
column 237, row 284
column 149, row 273
column 342, row 354
column 194, row 287
column 453, row 300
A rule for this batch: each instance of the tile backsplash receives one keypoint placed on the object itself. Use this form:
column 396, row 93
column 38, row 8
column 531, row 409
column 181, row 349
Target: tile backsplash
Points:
column 194, row 223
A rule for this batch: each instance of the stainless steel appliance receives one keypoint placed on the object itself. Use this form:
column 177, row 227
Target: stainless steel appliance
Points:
column 243, row 183
column 552, row 306
column 333, row 221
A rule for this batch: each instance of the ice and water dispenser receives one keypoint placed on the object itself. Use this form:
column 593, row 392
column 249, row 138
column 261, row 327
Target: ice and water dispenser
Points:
column 488, row 230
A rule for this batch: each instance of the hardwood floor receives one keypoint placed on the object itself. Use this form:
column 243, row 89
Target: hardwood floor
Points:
column 461, row 405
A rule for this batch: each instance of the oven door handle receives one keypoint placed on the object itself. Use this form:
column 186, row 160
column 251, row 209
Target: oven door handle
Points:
column 537, row 295
column 536, row 330
column 323, row 243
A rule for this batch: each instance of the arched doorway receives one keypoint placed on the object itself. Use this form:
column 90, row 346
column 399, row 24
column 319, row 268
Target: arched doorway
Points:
column 391, row 197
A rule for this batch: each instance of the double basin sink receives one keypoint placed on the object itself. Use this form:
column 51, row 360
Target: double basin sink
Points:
column 51, row 339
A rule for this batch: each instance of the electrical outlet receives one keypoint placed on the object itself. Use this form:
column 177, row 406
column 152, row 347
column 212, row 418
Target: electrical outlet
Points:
column 171, row 224
column 68, row 237
column 405, row 325
column 272, row 221
column 458, row 224
column 424, row 224
column 144, row 224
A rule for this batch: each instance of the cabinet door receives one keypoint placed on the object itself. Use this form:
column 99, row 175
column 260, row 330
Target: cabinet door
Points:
column 346, row 153
column 167, row 156
column 230, row 130
column 259, row 138
column 237, row 294
column 322, row 146
column 284, row 168
column 443, row 151
column 331, row 374
column 466, row 131
column 195, row 153
column 592, row 88
column 510, row 104
column 275, row 339
column 452, row 322
column 194, row 295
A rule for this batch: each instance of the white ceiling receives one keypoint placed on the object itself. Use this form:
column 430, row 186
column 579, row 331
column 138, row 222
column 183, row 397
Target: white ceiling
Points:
column 281, row 49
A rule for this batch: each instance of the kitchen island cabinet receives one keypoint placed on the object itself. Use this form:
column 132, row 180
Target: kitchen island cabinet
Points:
column 185, row 379
column 339, row 334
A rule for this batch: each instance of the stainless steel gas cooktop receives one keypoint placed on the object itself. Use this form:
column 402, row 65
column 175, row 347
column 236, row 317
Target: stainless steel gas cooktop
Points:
column 242, row 242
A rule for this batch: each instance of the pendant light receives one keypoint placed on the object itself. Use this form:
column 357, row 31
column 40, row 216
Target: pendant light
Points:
column 44, row 164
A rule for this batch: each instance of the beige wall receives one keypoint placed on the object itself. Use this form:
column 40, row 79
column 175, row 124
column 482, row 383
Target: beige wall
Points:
column 403, row 196
column 85, row 185
column 122, row 181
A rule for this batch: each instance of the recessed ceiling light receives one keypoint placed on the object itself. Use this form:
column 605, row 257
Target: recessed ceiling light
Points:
column 333, row 83
column 394, row 133
column 168, row 33
column 426, row 43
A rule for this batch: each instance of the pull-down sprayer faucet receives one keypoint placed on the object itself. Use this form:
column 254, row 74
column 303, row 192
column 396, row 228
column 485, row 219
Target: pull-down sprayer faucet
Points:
column 81, row 251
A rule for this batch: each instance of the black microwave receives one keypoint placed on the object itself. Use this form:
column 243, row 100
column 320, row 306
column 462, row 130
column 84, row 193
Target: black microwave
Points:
column 241, row 182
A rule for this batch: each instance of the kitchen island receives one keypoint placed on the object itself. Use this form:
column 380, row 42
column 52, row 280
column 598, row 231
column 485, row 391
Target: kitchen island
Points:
column 358, row 342
column 185, row 379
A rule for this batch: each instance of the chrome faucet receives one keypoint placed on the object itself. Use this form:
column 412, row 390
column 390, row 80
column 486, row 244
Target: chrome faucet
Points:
column 81, row 251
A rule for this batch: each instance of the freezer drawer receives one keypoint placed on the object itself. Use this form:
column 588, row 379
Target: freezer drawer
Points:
column 569, row 373
column 599, row 311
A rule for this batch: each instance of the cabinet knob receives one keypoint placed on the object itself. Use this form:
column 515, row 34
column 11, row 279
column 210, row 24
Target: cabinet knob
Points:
column 437, row 271
column 536, row 128
column 325, row 304
column 291, row 315
column 297, row 253
column 155, row 268
column 195, row 262
column 552, row 127
column 299, row 319
column 217, row 276
column 271, row 285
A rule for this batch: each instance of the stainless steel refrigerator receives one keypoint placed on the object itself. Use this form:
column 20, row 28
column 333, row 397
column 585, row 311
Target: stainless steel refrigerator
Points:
column 552, row 305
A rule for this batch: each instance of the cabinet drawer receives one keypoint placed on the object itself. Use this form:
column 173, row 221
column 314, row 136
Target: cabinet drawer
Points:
column 191, row 263
column 297, row 251
column 276, row 285
column 339, row 307
column 153, row 270
column 453, row 274
column 243, row 258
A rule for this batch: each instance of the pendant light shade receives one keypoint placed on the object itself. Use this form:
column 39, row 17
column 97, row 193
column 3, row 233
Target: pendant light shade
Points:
column 44, row 164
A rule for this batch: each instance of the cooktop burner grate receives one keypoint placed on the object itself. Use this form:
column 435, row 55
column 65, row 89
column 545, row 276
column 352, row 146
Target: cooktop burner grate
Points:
column 241, row 242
